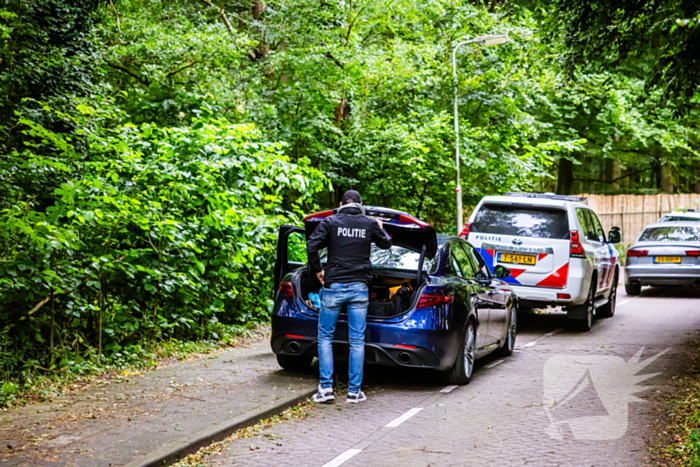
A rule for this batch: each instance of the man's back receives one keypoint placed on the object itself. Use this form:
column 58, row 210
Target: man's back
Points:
column 349, row 236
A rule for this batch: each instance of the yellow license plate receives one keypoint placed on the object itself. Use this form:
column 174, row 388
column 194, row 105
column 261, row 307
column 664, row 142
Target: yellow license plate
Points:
column 518, row 259
column 667, row 259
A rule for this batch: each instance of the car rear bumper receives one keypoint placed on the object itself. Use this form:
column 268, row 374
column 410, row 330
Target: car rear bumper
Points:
column 573, row 294
column 662, row 275
column 396, row 344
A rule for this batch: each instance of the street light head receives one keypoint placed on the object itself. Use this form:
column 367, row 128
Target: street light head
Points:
column 488, row 41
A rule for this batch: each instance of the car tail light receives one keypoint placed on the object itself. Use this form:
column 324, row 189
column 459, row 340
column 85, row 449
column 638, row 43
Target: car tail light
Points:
column 692, row 252
column 465, row 231
column 432, row 299
column 294, row 336
column 401, row 346
column 576, row 247
column 632, row 252
column 286, row 289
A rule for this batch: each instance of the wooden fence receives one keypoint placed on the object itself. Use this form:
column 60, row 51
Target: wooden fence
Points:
column 633, row 212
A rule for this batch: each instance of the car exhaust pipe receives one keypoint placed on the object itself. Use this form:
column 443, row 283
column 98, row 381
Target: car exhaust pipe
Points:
column 294, row 346
column 405, row 357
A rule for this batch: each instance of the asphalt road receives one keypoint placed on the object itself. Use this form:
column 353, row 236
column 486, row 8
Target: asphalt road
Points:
column 564, row 398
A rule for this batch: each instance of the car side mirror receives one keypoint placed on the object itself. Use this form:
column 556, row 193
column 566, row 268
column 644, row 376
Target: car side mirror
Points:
column 614, row 235
column 501, row 272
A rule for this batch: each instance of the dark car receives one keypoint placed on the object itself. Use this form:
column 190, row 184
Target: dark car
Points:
column 433, row 302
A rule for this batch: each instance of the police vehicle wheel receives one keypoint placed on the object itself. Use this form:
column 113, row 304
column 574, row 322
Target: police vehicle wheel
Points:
column 294, row 362
column 587, row 309
column 608, row 310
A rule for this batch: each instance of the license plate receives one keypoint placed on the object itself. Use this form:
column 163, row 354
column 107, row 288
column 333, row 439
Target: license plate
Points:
column 518, row 259
column 667, row 259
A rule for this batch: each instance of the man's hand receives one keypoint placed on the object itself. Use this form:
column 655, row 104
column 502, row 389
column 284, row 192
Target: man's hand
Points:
column 320, row 277
column 381, row 224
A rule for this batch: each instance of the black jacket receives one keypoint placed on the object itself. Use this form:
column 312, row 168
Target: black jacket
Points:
column 348, row 236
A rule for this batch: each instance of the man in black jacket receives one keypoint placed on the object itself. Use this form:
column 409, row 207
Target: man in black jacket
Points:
column 348, row 235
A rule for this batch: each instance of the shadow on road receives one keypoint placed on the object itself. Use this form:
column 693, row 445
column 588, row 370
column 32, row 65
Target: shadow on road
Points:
column 669, row 291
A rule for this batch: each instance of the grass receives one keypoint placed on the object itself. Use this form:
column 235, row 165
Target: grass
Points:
column 39, row 384
column 683, row 433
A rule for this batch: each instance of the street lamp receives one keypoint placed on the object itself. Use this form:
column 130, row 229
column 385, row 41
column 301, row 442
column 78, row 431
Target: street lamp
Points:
column 486, row 41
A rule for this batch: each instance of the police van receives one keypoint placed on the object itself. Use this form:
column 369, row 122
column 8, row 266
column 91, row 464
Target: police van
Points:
column 555, row 248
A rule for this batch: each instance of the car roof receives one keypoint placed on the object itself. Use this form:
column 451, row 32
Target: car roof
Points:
column 444, row 238
column 544, row 202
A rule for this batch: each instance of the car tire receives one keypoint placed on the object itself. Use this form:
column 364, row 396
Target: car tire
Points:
column 587, row 308
column 509, row 344
column 633, row 288
column 608, row 310
column 294, row 362
column 461, row 371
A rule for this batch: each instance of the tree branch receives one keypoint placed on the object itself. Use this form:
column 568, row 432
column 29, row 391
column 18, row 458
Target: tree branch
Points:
column 615, row 180
column 222, row 13
column 145, row 81
column 119, row 26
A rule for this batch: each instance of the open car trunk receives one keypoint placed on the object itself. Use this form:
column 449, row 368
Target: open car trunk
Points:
column 397, row 273
column 388, row 295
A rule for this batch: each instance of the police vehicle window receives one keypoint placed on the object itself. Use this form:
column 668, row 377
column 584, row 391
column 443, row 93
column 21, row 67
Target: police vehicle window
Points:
column 586, row 224
column 671, row 234
column 480, row 264
column 522, row 221
column 468, row 269
column 600, row 234
column 398, row 257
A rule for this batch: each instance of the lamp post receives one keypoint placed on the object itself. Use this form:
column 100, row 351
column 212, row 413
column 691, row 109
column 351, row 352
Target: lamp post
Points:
column 486, row 41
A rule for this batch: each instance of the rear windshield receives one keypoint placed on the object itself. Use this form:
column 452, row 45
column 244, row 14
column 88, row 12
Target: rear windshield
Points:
column 398, row 257
column 671, row 234
column 395, row 257
column 522, row 221
column 670, row 218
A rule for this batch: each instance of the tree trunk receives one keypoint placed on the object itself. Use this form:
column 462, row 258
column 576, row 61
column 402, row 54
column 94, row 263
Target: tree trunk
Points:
column 612, row 171
column 666, row 178
column 565, row 178
column 696, row 185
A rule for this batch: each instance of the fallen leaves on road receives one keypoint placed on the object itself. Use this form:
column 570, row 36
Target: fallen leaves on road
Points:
column 197, row 459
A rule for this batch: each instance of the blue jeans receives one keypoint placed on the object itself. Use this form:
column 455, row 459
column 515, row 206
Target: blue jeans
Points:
column 354, row 296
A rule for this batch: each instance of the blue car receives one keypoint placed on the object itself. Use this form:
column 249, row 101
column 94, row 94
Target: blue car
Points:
column 433, row 301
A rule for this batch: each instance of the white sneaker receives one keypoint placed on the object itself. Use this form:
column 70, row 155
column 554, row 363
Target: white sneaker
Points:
column 324, row 396
column 354, row 398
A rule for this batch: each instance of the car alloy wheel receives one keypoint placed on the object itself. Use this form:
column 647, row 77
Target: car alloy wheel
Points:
column 469, row 351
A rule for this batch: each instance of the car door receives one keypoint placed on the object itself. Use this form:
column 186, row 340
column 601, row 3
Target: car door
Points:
column 291, row 252
column 589, row 240
column 496, row 299
column 605, row 252
column 474, row 293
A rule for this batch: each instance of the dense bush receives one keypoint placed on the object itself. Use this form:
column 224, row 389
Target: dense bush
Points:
column 124, row 235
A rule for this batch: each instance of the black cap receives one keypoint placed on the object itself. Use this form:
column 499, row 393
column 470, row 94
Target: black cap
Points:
column 351, row 196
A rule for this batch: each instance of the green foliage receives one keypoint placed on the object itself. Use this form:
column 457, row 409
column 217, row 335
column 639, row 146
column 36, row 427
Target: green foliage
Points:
column 154, row 232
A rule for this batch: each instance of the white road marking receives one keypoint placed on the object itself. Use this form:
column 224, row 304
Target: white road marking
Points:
column 449, row 388
column 530, row 344
column 550, row 334
column 347, row 455
column 403, row 418
column 497, row 362
column 622, row 303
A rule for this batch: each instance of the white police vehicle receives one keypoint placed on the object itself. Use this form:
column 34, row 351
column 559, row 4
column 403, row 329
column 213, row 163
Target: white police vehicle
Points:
column 556, row 251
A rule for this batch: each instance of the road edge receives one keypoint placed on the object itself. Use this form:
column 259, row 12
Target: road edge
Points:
column 176, row 451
